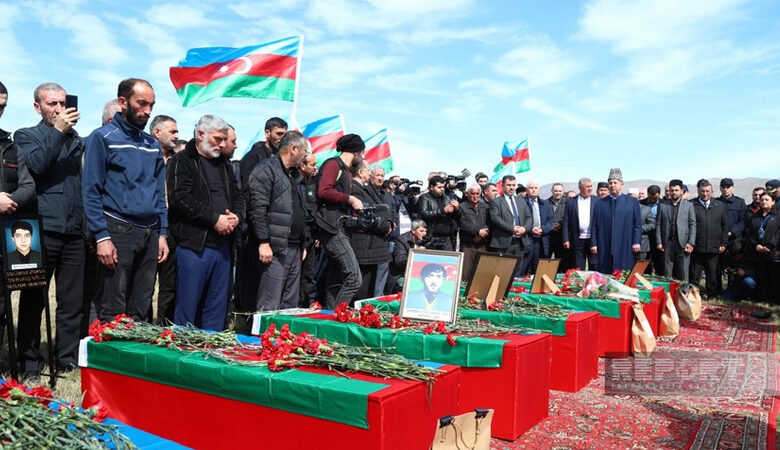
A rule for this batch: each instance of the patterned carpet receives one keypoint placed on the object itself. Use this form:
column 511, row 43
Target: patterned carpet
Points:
column 713, row 387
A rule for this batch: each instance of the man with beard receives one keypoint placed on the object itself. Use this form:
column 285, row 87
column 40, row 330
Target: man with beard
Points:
column 53, row 151
column 124, row 201
column 274, row 130
column 439, row 212
column 164, row 129
column 616, row 227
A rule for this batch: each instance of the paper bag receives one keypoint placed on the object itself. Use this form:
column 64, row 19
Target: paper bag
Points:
column 688, row 302
column 469, row 431
column 670, row 321
column 642, row 337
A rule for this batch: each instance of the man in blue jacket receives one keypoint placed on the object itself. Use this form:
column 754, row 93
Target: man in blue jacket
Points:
column 53, row 151
column 124, row 201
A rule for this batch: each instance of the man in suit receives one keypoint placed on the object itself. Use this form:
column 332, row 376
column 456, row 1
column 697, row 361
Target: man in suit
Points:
column 557, row 202
column 712, row 233
column 542, row 217
column 575, row 230
column 675, row 232
column 510, row 221
column 616, row 227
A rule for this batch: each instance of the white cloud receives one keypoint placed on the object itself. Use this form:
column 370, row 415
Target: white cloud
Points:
column 439, row 35
column 180, row 16
column 340, row 71
column 545, row 109
column 539, row 62
column 417, row 81
column 489, row 86
column 92, row 41
column 464, row 108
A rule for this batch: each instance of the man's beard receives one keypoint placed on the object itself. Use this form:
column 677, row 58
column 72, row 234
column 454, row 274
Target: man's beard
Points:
column 132, row 117
column 210, row 150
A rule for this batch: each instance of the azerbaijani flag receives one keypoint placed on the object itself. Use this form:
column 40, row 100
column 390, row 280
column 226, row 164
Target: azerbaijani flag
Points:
column 378, row 151
column 322, row 135
column 514, row 159
column 267, row 70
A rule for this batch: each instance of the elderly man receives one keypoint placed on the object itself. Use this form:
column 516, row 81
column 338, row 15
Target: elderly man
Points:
column 124, row 201
column 510, row 222
column 616, row 227
column 542, row 216
column 675, row 232
column 53, row 151
column 205, row 207
column 376, row 182
column 474, row 229
column 576, row 226
column 278, row 208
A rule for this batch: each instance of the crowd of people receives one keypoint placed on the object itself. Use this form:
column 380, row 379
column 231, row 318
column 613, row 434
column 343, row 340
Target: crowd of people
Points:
column 124, row 210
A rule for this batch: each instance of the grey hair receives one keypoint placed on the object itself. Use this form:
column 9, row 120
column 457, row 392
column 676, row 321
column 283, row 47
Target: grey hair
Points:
column 584, row 180
column 373, row 169
column 46, row 87
column 291, row 138
column 110, row 109
column 474, row 186
column 210, row 122
column 418, row 223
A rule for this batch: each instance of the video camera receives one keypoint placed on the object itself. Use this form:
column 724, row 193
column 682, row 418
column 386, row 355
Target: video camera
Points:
column 434, row 243
column 457, row 181
column 409, row 187
column 367, row 219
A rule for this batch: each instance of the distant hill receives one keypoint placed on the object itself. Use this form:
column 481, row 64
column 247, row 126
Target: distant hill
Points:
column 743, row 187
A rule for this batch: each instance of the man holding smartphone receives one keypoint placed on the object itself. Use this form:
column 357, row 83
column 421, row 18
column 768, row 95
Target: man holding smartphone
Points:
column 53, row 152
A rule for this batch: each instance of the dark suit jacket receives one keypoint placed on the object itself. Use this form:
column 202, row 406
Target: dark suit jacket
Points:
column 712, row 230
column 686, row 223
column 546, row 223
column 502, row 222
column 648, row 227
column 571, row 218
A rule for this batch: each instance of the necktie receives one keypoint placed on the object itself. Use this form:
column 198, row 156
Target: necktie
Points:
column 514, row 210
column 535, row 211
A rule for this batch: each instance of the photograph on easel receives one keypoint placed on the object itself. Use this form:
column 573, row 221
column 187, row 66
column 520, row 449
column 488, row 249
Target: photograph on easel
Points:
column 492, row 277
column 544, row 278
column 22, row 246
column 431, row 285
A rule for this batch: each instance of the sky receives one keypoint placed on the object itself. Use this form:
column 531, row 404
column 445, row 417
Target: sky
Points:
column 661, row 89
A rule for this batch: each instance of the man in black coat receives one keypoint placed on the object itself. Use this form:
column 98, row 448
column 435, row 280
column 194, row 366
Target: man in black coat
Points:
column 440, row 213
column 557, row 202
column 277, row 207
column 711, row 237
column 474, row 229
column 204, row 208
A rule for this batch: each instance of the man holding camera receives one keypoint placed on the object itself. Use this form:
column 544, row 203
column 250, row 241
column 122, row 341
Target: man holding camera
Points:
column 335, row 202
column 440, row 213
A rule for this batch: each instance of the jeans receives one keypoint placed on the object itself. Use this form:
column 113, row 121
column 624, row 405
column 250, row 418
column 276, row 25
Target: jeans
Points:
column 129, row 286
column 201, row 294
column 280, row 281
column 344, row 277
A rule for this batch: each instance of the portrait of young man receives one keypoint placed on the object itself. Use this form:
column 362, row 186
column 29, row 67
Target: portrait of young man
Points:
column 21, row 254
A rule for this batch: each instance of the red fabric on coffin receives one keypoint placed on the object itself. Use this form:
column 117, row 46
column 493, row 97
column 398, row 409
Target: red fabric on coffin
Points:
column 575, row 357
column 398, row 417
column 653, row 310
column 615, row 334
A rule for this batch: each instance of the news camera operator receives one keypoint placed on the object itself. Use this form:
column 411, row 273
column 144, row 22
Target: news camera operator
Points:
column 334, row 202
column 440, row 213
column 369, row 230
column 406, row 192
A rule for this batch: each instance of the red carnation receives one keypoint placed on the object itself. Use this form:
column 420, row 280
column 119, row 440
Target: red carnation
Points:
column 451, row 340
column 315, row 306
column 429, row 329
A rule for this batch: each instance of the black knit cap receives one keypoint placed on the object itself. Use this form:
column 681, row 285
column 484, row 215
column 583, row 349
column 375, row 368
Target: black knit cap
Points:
column 350, row 143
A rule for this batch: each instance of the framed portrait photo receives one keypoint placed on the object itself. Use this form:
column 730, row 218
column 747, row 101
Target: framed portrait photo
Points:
column 22, row 243
column 432, row 285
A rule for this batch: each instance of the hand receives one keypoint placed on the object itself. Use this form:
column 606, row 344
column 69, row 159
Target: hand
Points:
column 224, row 225
column 7, row 205
column 232, row 218
column 761, row 249
column 162, row 250
column 317, row 243
column 303, row 254
column 484, row 232
column 594, row 250
column 721, row 249
column 106, row 253
column 536, row 231
column 477, row 238
column 355, row 203
column 556, row 226
column 449, row 209
column 519, row 231
column 635, row 248
column 688, row 248
column 66, row 119
column 266, row 254
column 567, row 245
column 454, row 203
column 660, row 247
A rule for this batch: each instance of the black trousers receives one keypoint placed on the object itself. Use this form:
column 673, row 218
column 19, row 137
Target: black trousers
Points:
column 166, row 290
column 708, row 262
column 308, row 289
column 580, row 253
column 557, row 250
column 368, row 272
column 515, row 249
column 64, row 260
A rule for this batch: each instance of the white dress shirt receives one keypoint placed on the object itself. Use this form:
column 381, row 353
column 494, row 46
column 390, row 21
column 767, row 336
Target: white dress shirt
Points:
column 583, row 214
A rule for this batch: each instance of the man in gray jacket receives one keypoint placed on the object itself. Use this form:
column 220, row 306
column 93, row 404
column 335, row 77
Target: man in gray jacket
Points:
column 510, row 221
column 675, row 232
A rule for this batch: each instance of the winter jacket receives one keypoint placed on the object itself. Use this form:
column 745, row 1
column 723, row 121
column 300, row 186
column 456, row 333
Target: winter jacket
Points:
column 370, row 246
column 15, row 178
column 711, row 226
column 431, row 209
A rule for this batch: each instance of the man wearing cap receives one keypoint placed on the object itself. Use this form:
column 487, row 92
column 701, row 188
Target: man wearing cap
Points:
column 736, row 210
column 773, row 188
column 675, row 232
column 602, row 189
column 334, row 201
column 616, row 227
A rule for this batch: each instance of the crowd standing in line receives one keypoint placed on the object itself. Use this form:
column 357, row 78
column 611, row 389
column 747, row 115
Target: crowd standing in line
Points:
column 123, row 209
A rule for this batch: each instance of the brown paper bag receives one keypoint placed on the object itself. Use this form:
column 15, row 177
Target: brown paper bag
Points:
column 469, row 431
column 688, row 302
column 642, row 337
column 670, row 321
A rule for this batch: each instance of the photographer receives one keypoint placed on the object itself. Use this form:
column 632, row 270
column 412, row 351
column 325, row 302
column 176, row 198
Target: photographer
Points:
column 405, row 194
column 440, row 213
column 368, row 232
column 334, row 201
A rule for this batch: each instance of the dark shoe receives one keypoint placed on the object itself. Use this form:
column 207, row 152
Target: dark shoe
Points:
column 70, row 367
column 761, row 314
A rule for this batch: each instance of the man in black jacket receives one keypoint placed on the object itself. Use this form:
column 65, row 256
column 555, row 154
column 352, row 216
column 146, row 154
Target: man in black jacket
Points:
column 440, row 213
column 711, row 237
column 277, row 207
column 205, row 207
column 368, row 242
column 474, row 228
column 308, row 292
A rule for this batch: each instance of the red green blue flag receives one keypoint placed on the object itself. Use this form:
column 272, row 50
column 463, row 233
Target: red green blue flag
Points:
column 322, row 135
column 514, row 159
column 378, row 151
column 268, row 70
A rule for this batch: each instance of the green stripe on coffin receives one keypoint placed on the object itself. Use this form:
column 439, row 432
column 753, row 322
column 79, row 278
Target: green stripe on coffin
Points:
column 644, row 294
column 607, row 308
column 470, row 351
column 553, row 325
column 330, row 397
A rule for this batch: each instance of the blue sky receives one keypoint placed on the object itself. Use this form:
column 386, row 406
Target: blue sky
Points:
column 661, row 89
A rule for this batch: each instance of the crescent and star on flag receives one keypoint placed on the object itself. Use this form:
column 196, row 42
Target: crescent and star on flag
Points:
column 247, row 65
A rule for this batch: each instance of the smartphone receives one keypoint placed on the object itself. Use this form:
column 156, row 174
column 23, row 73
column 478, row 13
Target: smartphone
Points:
column 72, row 101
